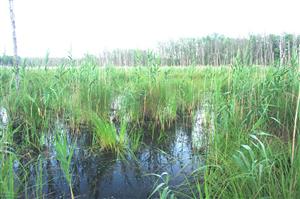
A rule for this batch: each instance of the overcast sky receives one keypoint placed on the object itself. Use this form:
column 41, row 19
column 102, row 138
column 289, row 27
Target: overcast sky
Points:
column 93, row 25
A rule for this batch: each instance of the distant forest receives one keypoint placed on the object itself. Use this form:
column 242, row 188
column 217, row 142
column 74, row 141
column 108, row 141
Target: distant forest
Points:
column 214, row 50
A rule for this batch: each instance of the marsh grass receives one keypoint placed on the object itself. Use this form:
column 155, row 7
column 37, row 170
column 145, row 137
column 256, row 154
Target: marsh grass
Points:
column 148, row 95
column 162, row 187
column 253, row 115
column 250, row 153
column 7, row 158
column 39, row 179
column 64, row 153
column 135, row 140
column 108, row 137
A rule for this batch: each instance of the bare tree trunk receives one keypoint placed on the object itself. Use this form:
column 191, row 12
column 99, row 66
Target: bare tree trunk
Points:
column 13, row 24
column 282, row 50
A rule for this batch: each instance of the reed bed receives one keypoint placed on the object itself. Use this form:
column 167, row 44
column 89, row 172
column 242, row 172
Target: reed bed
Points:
column 253, row 109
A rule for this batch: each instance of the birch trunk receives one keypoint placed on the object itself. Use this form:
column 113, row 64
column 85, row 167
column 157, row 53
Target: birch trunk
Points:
column 14, row 37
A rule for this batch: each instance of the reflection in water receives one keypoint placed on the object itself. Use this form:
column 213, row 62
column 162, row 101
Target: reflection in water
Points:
column 198, row 133
column 203, row 128
column 104, row 175
column 3, row 119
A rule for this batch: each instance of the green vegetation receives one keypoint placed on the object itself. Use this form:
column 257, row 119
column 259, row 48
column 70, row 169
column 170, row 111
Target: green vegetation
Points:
column 64, row 154
column 7, row 157
column 249, row 152
column 107, row 137
column 211, row 50
column 162, row 187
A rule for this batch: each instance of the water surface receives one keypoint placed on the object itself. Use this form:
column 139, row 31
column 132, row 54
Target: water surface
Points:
column 100, row 174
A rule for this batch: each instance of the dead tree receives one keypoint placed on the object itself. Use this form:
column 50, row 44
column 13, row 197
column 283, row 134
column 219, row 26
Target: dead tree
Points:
column 14, row 37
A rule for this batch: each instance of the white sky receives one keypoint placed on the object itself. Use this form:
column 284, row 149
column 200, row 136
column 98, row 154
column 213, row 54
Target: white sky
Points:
column 93, row 25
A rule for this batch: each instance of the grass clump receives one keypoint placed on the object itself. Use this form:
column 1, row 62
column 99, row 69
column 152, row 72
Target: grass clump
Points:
column 107, row 136
column 7, row 159
column 250, row 153
column 64, row 153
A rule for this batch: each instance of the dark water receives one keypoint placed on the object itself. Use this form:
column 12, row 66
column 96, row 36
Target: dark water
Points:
column 98, row 174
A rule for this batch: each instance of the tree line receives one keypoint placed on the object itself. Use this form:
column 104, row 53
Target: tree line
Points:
column 214, row 50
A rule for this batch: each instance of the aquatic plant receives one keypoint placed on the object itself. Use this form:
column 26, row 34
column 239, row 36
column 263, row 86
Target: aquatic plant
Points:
column 106, row 135
column 135, row 140
column 39, row 179
column 7, row 187
column 246, row 103
column 64, row 153
column 7, row 175
column 162, row 187
column 250, row 153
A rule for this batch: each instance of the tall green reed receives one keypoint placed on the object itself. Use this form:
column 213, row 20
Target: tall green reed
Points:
column 64, row 153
